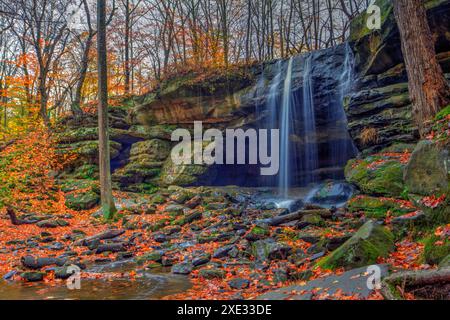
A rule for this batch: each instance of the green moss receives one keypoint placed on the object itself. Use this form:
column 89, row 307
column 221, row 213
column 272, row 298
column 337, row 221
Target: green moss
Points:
column 260, row 231
column 385, row 179
column 358, row 27
column 434, row 253
column 82, row 201
column 364, row 248
column 443, row 113
column 377, row 208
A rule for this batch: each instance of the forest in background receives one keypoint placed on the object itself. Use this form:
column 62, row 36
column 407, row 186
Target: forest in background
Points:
column 48, row 48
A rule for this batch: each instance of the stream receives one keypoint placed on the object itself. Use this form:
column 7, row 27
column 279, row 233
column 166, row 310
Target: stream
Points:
column 146, row 286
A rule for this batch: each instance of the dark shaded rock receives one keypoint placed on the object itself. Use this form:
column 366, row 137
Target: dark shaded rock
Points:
column 239, row 283
column 31, row 262
column 183, row 268
column 82, row 201
column 331, row 194
column 266, row 249
column 33, row 276
column 155, row 256
column 52, row 223
column 223, row 251
column 213, row 273
column 167, row 262
column 159, row 237
column 110, row 247
column 201, row 259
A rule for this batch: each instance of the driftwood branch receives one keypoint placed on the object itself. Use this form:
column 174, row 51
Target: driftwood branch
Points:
column 6, row 145
column 411, row 279
column 13, row 217
column 109, row 234
column 276, row 221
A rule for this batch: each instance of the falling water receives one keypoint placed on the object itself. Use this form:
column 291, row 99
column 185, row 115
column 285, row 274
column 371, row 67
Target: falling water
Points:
column 310, row 154
column 285, row 132
column 342, row 148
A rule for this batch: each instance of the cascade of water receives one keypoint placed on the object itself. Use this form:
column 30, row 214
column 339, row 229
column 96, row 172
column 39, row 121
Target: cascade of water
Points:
column 272, row 101
column 310, row 154
column 343, row 148
column 285, row 132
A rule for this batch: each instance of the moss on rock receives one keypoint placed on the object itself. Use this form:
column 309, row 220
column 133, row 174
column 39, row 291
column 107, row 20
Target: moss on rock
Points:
column 376, row 208
column 427, row 172
column 385, row 179
column 364, row 248
column 436, row 249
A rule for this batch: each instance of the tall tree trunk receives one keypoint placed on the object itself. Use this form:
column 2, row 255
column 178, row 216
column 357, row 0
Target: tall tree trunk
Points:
column 428, row 88
column 109, row 209
column 127, row 47
column 76, row 105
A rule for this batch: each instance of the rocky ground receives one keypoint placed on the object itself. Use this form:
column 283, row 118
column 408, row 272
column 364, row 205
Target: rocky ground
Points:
column 228, row 241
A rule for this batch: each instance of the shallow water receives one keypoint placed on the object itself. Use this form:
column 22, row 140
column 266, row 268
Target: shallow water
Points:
column 146, row 286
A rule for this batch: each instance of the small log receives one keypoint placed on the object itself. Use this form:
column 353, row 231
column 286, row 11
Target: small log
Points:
column 276, row 221
column 13, row 217
column 412, row 279
column 34, row 263
column 111, row 247
column 6, row 145
column 107, row 235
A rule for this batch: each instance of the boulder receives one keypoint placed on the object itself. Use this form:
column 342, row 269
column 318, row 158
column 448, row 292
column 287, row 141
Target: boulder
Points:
column 376, row 175
column 427, row 172
column 377, row 208
column 33, row 276
column 269, row 249
column 364, row 248
column 183, row 268
column 82, row 201
column 213, row 273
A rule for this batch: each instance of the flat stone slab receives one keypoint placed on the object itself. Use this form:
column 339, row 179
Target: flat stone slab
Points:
column 350, row 283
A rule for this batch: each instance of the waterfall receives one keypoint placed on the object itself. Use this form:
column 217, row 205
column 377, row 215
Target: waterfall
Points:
column 310, row 154
column 342, row 148
column 285, row 132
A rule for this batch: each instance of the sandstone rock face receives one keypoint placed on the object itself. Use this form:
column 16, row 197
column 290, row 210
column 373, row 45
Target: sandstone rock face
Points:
column 376, row 103
column 379, row 110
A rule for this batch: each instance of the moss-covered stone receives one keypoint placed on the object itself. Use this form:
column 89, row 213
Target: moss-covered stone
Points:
column 82, row 201
column 427, row 172
column 377, row 208
column 364, row 248
column 157, row 149
column 154, row 256
column 88, row 150
column 385, row 179
column 314, row 219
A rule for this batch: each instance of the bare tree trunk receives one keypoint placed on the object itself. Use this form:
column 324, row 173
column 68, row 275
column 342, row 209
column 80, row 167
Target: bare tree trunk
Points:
column 109, row 209
column 127, row 47
column 428, row 88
